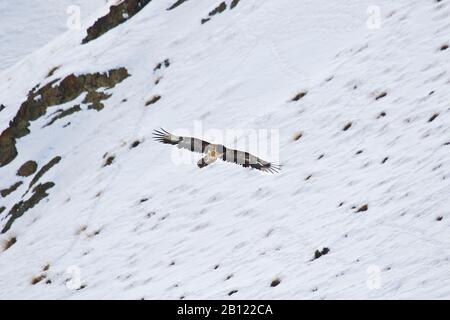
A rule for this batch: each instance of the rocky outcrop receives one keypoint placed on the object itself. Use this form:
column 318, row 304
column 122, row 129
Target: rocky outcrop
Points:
column 117, row 15
column 64, row 113
column 219, row 9
column 152, row 100
column 27, row 169
column 55, row 93
column 6, row 192
column 234, row 3
column 39, row 193
column 176, row 4
column 44, row 169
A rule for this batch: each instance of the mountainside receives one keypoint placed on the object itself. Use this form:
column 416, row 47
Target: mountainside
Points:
column 27, row 26
column 354, row 106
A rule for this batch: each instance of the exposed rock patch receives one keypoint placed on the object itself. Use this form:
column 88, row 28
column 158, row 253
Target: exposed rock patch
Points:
column 434, row 116
column 27, row 169
column 109, row 161
column 297, row 135
column 219, row 9
column 159, row 65
column 232, row 292
column 234, row 3
column 37, row 279
column 39, row 193
column 275, row 282
column 63, row 113
column 94, row 98
column 381, row 115
column 6, row 192
column 157, row 70
column 363, row 208
column 52, row 71
column 8, row 243
column 44, row 169
column 299, row 96
column 135, row 144
column 319, row 253
column 381, row 95
column 153, row 100
column 176, row 4
column 347, row 126
column 55, row 93
column 117, row 15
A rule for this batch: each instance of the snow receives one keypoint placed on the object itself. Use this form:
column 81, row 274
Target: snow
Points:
column 27, row 25
column 147, row 226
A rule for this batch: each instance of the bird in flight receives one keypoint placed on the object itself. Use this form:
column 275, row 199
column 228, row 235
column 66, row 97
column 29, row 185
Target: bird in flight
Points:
column 212, row 152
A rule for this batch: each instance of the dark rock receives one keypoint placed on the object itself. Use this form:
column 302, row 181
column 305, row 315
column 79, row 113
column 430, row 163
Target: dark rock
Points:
column 299, row 96
column 318, row 254
column 381, row 95
column 39, row 193
column 176, row 4
column 27, row 169
column 44, row 169
column 275, row 282
column 52, row 71
column 234, row 3
column 363, row 208
column 135, row 144
column 37, row 279
column 159, row 65
column 232, row 292
column 55, row 94
column 347, row 126
column 9, row 243
column 109, row 161
column 381, row 115
column 64, row 113
column 117, row 15
column 153, row 100
column 95, row 98
column 6, row 192
column 219, row 9
column 8, row 149
column 434, row 116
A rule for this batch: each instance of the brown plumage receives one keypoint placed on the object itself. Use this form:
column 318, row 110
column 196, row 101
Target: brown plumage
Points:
column 213, row 152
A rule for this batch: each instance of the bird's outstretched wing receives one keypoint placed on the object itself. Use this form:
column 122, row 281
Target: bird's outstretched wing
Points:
column 189, row 143
column 248, row 160
column 242, row 158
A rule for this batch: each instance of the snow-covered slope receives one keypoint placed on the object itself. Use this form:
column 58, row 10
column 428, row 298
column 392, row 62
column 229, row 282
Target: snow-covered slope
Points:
column 360, row 209
column 27, row 25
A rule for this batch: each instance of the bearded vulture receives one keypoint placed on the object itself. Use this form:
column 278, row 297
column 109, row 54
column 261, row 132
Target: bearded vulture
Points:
column 213, row 152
